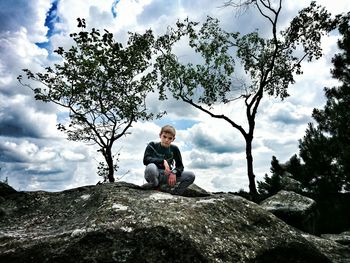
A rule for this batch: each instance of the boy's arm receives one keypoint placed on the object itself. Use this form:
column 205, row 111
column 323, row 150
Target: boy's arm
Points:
column 151, row 157
column 179, row 167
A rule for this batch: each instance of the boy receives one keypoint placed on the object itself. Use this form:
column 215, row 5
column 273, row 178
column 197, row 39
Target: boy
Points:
column 159, row 158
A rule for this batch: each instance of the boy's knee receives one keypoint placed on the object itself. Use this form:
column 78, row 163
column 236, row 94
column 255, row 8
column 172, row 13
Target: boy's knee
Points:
column 151, row 174
column 151, row 167
column 192, row 177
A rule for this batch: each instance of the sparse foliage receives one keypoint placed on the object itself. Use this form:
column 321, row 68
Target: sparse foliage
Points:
column 103, row 169
column 269, row 64
column 6, row 180
column 102, row 84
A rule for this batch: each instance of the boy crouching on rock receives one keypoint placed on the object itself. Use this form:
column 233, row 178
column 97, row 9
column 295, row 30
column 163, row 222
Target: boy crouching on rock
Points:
column 164, row 167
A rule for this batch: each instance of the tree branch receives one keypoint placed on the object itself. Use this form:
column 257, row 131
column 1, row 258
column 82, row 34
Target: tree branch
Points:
column 217, row 116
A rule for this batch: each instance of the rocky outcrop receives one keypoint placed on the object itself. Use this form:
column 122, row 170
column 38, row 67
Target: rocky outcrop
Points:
column 122, row 223
column 330, row 248
column 288, row 183
column 296, row 210
column 342, row 238
column 195, row 191
column 6, row 190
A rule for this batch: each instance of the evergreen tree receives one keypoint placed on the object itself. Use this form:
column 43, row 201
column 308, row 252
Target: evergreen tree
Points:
column 295, row 168
column 321, row 169
column 271, row 185
column 334, row 119
column 325, row 149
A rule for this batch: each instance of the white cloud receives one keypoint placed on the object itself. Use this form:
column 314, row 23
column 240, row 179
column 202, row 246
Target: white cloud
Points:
column 203, row 160
column 30, row 14
column 72, row 156
column 18, row 50
column 215, row 136
column 39, row 157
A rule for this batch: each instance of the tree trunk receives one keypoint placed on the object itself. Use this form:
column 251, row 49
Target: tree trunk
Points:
column 109, row 160
column 251, row 176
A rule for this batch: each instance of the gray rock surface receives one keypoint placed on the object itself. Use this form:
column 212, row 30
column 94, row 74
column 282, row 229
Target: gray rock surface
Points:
column 342, row 238
column 6, row 190
column 121, row 223
column 289, row 183
column 337, row 253
column 296, row 210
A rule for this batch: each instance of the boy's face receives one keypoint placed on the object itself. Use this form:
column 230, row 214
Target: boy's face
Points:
column 166, row 139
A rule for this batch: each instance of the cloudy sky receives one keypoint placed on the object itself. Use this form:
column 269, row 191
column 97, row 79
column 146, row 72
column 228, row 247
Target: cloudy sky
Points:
column 35, row 156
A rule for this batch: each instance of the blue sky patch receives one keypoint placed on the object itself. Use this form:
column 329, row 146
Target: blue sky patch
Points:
column 114, row 8
column 50, row 21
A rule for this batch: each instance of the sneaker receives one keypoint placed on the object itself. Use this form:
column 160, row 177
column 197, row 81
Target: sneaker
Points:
column 147, row 186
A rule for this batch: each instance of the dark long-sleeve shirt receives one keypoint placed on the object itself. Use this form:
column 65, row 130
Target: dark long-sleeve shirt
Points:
column 156, row 153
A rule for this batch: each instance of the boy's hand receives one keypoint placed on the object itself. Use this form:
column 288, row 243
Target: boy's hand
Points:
column 171, row 179
column 166, row 167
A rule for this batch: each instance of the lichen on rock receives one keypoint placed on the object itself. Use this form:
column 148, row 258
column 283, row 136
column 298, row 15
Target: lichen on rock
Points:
column 122, row 223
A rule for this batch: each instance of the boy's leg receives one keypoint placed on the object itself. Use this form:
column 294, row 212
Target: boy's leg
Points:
column 151, row 176
column 185, row 180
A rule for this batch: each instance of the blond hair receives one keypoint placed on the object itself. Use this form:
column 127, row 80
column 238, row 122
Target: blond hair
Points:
column 168, row 129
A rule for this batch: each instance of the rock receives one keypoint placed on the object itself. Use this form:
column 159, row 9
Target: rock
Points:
column 296, row 210
column 122, row 223
column 195, row 191
column 6, row 190
column 289, row 183
column 342, row 238
column 336, row 252
column 192, row 191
